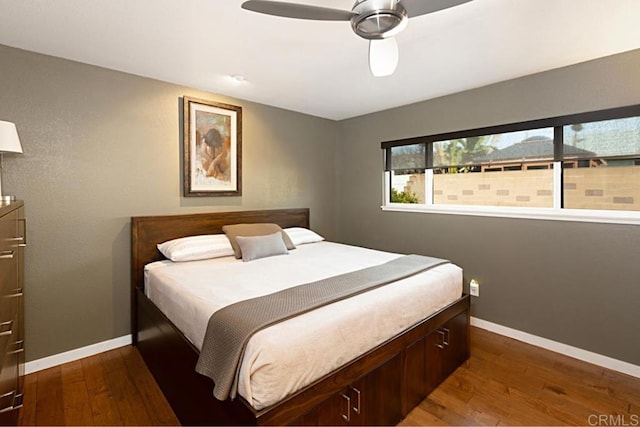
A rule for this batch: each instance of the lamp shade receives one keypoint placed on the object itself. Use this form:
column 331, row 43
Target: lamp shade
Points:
column 9, row 141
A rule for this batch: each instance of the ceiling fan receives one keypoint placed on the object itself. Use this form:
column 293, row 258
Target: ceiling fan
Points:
column 375, row 20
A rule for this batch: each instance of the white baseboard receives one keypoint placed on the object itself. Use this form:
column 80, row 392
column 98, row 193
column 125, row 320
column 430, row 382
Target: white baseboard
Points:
column 558, row 347
column 72, row 355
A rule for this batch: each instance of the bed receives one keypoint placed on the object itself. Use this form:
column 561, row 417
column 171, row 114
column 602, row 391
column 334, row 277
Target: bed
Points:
column 377, row 385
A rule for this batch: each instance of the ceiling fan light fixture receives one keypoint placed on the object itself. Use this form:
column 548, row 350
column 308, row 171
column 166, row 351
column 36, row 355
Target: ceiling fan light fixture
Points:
column 383, row 57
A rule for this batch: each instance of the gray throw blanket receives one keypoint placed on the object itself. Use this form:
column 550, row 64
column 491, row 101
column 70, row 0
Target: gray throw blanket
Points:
column 230, row 328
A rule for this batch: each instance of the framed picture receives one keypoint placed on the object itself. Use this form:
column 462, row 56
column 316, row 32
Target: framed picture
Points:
column 212, row 148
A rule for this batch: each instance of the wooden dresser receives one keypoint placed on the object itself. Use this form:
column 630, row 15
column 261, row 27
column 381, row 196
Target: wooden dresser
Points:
column 12, row 243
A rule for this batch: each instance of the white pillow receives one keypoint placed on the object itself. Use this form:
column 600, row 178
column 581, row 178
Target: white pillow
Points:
column 194, row 248
column 300, row 236
column 256, row 247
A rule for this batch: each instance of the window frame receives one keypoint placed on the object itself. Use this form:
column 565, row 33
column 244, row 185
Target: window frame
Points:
column 557, row 212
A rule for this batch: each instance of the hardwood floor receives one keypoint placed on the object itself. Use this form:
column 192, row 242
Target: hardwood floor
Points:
column 505, row 382
column 112, row 388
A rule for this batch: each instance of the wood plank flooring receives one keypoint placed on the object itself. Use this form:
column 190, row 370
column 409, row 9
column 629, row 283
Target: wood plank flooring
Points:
column 505, row 382
column 109, row 389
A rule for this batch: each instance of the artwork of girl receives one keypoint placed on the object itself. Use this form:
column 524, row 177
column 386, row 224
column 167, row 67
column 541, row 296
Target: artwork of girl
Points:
column 214, row 145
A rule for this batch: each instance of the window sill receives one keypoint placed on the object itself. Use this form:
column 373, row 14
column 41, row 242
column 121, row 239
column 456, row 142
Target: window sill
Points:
column 610, row 217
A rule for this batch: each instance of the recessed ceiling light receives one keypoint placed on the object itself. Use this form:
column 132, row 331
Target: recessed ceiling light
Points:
column 238, row 77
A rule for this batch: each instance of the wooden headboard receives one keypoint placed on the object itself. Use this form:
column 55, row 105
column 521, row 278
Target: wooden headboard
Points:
column 148, row 231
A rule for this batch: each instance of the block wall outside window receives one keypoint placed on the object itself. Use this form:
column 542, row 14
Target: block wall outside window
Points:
column 606, row 188
column 609, row 189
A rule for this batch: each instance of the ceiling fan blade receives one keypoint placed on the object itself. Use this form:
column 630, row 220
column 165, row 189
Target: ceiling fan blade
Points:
column 422, row 7
column 383, row 57
column 299, row 11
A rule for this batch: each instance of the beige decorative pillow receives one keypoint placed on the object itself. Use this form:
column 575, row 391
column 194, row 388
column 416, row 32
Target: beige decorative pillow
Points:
column 258, row 229
column 256, row 247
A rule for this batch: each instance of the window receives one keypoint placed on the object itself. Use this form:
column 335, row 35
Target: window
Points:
column 584, row 164
column 601, row 165
column 407, row 164
column 503, row 169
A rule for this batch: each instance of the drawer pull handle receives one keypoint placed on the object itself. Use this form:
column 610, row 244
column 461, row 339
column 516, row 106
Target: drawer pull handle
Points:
column 441, row 345
column 20, row 243
column 18, row 401
column 356, row 407
column 7, row 401
column 347, row 417
column 14, row 401
column 7, row 254
column 6, row 329
column 17, row 347
column 446, row 337
column 16, row 293
column 24, row 231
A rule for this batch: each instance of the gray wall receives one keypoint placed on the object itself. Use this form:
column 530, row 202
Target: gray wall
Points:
column 577, row 283
column 101, row 146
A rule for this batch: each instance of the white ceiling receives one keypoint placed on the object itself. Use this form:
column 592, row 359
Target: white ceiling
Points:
column 321, row 68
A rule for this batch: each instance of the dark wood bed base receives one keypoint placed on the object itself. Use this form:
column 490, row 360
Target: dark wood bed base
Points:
column 379, row 387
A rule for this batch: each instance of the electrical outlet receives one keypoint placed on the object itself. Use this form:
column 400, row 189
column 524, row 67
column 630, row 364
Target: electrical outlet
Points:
column 474, row 288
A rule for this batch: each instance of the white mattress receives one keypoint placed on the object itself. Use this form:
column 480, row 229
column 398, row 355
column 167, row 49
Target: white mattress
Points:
column 287, row 356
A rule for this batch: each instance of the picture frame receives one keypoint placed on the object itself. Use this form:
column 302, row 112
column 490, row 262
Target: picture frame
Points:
column 212, row 143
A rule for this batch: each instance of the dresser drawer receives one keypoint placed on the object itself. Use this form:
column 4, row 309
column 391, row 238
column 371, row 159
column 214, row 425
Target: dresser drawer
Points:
column 10, row 336
column 10, row 300
column 8, row 270
column 10, row 253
